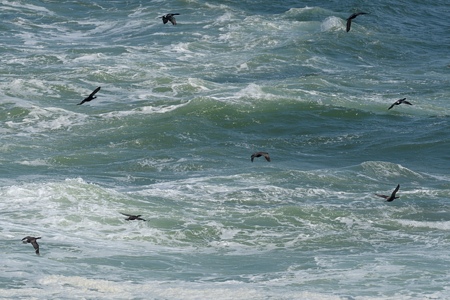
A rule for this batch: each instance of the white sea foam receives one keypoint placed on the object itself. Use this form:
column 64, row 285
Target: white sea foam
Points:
column 17, row 6
column 252, row 91
column 44, row 119
column 77, row 286
column 36, row 162
column 441, row 225
column 387, row 169
column 181, row 110
column 143, row 110
column 332, row 23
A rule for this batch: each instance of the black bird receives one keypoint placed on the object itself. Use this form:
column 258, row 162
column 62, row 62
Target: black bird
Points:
column 169, row 17
column 90, row 97
column 349, row 19
column 133, row 217
column 398, row 102
column 392, row 196
column 259, row 154
column 32, row 240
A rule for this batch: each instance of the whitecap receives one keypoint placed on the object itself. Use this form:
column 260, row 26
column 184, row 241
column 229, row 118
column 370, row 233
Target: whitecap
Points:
column 331, row 23
column 441, row 225
column 143, row 110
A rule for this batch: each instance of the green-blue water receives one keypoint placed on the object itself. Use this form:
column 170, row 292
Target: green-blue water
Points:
column 170, row 134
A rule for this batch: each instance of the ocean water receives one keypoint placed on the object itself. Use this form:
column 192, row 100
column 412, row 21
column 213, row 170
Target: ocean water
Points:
column 170, row 134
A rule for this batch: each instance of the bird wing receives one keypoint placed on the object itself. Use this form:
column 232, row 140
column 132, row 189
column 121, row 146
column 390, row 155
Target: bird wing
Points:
column 382, row 196
column 349, row 23
column 172, row 20
column 127, row 215
column 407, row 102
column 395, row 191
column 393, row 104
column 349, row 19
column 357, row 14
column 352, row 16
column 267, row 157
column 94, row 92
column 35, row 245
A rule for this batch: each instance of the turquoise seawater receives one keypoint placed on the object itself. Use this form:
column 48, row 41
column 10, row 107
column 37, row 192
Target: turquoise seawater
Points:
column 170, row 134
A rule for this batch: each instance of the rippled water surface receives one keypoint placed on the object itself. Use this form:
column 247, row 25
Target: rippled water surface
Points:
column 170, row 134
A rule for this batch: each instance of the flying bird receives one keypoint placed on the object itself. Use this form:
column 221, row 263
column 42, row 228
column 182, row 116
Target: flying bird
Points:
column 398, row 102
column 133, row 217
column 392, row 196
column 259, row 154
column 90, row 97
column 32, row 240
column 349, row 19
column 170, row 18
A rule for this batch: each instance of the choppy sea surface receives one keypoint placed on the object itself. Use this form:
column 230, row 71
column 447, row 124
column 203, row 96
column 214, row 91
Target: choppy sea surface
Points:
column 170, row 134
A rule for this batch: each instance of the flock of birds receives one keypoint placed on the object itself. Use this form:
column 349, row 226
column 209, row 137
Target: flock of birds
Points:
column 170, row 18
column 33, row 240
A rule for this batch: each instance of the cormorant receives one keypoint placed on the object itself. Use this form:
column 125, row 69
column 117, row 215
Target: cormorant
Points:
column 392, row 196
column 32, row 240
column 90, row 97
column 398, row 102
column 133, row 217
column 259, row 154
column 169, row 17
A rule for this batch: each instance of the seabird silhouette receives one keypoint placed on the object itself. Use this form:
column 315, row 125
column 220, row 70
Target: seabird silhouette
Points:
column 349, row 19
column 259, row 154
column 169, row 17
column 398, row 102
column 392, row 196
column 133, row 217
column 90, row 97
column 32, row 240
